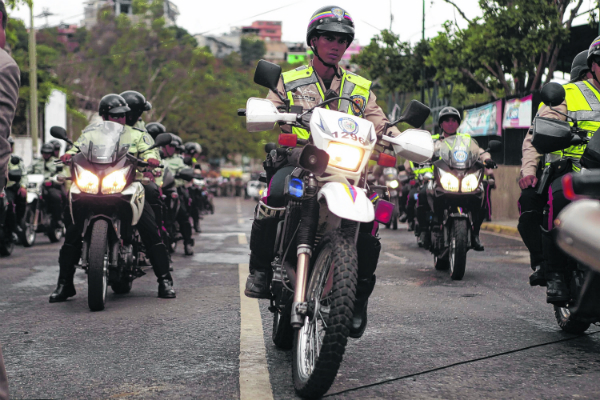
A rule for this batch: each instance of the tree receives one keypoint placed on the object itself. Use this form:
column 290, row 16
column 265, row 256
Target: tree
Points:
column 508, row 50
column 252, row 49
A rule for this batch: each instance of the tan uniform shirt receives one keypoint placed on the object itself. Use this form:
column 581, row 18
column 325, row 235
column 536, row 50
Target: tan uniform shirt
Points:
column 373, row 112
column 10, row 80
column 531, row 157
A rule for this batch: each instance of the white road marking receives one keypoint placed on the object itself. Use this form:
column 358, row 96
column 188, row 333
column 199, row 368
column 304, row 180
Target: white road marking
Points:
column 403, row 260
column 254, row 372
column 241, row 221
column 242, row 238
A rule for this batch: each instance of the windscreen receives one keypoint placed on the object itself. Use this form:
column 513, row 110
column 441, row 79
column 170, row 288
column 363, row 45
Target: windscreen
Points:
column 459, row 152
column 99, row 143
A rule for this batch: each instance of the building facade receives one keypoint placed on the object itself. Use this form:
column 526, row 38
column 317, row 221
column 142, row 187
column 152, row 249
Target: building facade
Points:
column 92, row 7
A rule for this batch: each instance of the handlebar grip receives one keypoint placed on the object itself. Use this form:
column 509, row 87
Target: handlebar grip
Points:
column 241, row 112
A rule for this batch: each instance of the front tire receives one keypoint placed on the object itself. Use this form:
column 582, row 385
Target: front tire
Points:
column 458, row 249
column 98, row 266
column 320, row 344
column 567, row 323
column 27, row 236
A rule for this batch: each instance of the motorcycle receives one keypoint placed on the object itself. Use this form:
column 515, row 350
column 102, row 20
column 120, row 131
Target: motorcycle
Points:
column 315, row 267
column 456, row 188
column 577, row 225
column 106, row 194
column 422, row 181
column 172, row 201
column 8, row 235
column 37, row 217
column 393, row 185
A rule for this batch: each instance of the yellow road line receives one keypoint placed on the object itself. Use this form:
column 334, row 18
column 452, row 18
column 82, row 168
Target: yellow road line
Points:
column 254, row 372
column 242, row 238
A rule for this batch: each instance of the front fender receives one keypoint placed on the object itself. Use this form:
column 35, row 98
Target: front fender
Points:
column 347, row 202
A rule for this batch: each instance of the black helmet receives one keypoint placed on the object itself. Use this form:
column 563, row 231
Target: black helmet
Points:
column 176, row 142
column 47, row 148
column 148, row 106
column 137, row 103
column 155, row 129
column 112, row 104
column 594, row 50
column 193, row 148
column 579, row 66
column 55, row 143
column 332, row 19
column 448, row 112
column 11, row 141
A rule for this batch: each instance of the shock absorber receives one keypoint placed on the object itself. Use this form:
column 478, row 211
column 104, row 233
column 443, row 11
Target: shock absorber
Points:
column 306, row 239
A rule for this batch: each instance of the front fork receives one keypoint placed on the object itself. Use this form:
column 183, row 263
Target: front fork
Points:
column 306, row 240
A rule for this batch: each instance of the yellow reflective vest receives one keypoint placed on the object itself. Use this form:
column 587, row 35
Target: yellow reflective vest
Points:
column 353, row 86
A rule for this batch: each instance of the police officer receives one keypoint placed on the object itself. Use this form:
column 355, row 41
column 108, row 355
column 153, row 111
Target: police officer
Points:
column 16, row 193
column 449, row 121
column 137, row 104
column 330, row 31
column 582, row 102
column 190, row 158
column 531, row 204
column 114, row 108
column 57, row 147
column 52, row 191
column 175, row 163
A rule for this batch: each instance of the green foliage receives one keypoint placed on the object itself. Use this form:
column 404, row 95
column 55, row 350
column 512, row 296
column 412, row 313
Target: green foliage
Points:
column 517, row 39
column 252, row 49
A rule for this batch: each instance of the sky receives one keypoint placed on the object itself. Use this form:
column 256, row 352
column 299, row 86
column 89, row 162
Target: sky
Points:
column 214, row 17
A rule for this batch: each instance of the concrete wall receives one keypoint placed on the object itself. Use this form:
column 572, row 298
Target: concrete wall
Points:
column 506, row 194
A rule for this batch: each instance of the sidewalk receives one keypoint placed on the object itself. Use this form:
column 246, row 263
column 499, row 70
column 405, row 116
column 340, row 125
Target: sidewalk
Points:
column 508, row 227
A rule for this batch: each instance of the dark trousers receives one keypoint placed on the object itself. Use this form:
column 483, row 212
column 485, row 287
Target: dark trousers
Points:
column 183, row 215
column 531, row 211
column 54, row 198
column 411, row 202
column 16, row 206
column 148, row 230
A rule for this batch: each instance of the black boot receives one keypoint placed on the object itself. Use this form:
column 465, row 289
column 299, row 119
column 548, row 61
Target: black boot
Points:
column 262, row 243
column 557, row 292
column 538, row 277
column 364, row 288
column 68, row 257
column 476, row 243
column 197, row 224
column 165, row 287
column 189, row 247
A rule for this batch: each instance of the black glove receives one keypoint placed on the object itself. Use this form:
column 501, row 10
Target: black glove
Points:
column 490, row 163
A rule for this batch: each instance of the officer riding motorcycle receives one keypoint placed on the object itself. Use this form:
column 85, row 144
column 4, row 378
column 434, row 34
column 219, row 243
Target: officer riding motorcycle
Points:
column 582, row 106
column 307, row 86
column 53, row 192
column 533, row 199
column 175, row 163
column 137, row 104
column 16, row 192
column 114, row 108
column 190, row 158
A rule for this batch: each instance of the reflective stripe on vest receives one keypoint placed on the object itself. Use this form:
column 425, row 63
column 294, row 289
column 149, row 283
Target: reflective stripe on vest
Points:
column 352, row 85
column 417, row 169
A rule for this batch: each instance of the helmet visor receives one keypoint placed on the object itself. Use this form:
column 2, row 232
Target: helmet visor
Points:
column 119, row 110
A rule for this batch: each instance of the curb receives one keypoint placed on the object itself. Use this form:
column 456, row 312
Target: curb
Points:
column 504, row 229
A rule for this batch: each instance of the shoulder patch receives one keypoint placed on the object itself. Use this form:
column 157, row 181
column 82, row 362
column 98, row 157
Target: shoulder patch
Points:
column 147, row 139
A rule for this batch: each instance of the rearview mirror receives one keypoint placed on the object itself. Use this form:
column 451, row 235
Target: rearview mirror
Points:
column 494, row 146
column 553, row 94
column 415, row 114
column 59, row 133
column 267, row 74
column 187, row 174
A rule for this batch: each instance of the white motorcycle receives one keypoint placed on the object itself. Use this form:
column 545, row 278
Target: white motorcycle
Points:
column 313, row 288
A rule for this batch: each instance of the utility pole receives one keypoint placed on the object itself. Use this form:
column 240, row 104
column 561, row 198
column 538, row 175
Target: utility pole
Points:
column 33, row 98
column 391, row 16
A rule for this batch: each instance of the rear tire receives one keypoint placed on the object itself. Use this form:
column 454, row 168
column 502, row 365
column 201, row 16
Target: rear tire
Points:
column 567, row 323
column 55, row 232
column 458, row 249
column 98, row 266
column 320, row 344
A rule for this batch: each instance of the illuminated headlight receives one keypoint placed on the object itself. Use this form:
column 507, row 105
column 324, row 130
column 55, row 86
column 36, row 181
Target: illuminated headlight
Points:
column 115, row 181
column 470, row 182
column 394, row 184
column 449, row 182
column 344, row 156
column 87, row 181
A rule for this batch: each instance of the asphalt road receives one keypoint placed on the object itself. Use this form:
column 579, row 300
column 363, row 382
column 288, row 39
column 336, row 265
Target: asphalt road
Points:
column 487, row 336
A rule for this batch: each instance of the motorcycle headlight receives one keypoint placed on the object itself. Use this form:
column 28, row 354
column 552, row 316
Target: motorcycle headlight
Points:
column 344, row 156
column 449, row 182
column 87, row 181
column 394, row 184
column 115, row 181
column 470, row 182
